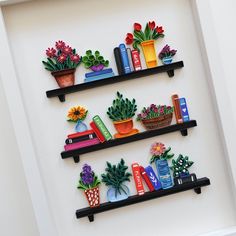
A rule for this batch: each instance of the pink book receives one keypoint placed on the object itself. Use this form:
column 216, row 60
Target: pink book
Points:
column 81, row 144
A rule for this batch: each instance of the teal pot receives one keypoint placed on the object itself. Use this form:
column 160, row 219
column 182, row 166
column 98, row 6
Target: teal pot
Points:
column 113, row 195
column 166, row 60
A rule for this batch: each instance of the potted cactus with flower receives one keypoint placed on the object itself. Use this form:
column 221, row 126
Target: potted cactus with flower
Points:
column 89, row 183
column 166, row 54
column 121, row 113
column 62, row 61
column 154, row 117
column 146, row 38
column 161, row 155
column 115, row 177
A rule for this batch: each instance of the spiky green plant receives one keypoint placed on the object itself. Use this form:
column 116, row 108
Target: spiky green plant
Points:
column 180, row 166
column 122, row 109
column 90, row 60
column 115, row 175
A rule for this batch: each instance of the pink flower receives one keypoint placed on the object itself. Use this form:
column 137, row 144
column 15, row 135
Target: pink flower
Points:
column 157, row 149
column 67, row 50
column 62, row 58
column 60, row 45
column 51, row 52
column 75, row 58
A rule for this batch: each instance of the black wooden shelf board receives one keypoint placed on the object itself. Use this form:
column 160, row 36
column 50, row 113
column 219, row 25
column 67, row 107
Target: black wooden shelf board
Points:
column 116, row 142
column 61, row 92
column 90, row 212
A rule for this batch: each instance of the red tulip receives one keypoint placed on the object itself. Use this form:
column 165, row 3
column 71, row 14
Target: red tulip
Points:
column 129, row 38
column 159, row 30
column 51, row 52
column 151, row 25
column 137, row 27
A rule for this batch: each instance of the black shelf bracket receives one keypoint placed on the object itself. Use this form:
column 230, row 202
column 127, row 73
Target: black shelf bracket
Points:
column 184, row 132
column 76, row 159
column 91, row 218
column 171, row 73
column 198, row 190
column 62, row 98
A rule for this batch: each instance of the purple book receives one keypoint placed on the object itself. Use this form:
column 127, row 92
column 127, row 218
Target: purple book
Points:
column 81, row 144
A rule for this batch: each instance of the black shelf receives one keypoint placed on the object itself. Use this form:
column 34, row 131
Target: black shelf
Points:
column 61, row 92
column 107, row 206
column 183, row 128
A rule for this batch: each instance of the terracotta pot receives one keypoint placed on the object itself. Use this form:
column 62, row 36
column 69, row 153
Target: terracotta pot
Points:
column 64, row 78
column 158, row 122
column 149, row 52
column 92, row 196
column 124, row 126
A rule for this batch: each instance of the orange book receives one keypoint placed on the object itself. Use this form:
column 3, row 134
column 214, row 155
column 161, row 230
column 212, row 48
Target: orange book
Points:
column 178, row 115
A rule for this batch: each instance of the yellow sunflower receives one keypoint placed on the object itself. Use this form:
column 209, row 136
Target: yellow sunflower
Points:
column 77, row 113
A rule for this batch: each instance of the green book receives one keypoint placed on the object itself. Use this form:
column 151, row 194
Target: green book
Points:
column 101, row 126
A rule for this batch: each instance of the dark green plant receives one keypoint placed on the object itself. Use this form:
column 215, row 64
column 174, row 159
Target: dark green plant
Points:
column 180, row 166
column 122, row 109
column 90, row 60
column 115, row 175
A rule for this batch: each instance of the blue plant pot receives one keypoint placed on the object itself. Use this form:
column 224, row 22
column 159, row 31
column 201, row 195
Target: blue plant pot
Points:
column 80, row 126
column 166, row 60
column 113, row 195
column 163, row 171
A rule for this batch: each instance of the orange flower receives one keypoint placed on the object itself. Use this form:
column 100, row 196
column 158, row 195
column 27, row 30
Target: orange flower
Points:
column 77, row 113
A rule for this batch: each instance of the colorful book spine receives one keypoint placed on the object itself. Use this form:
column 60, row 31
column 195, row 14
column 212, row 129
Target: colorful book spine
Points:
column 98, row 77
column 79, row 139
column 136, row 60
column 153, row 178
column 137, row 179
column 97, row 132
column 95, row 73
column 146, row 178
column 79, row 134
column 101, row 126
column 118, row 61
column 124, row 58
column 178, row 115
column 82, row 144
column 184, row 109
column 130, row 59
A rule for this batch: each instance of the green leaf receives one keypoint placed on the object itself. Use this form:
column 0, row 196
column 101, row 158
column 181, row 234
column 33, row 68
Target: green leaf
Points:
column 85, row 59
column 88, row 52
column 138, row 36
column 147, row 32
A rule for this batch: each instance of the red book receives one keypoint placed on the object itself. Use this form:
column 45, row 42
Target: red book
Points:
column 97, row 132
column 136, row 60
column 178, row 115
column 79, row 134
column 81, row 144
column 138, row 179
column 146, row 178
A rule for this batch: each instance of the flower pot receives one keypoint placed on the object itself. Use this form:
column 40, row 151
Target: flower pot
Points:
column 158, row 122
column 124, row 128
column 97, row 68
column 166, row 60
column 113, row 195
column 64, row 78
column 163, row 171
column 92, row 196
column 80, row 126
column 149, row 52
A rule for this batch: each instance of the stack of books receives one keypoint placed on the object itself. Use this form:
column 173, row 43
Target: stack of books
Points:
column 97, row 75
column 127, row 60
column 97, row 134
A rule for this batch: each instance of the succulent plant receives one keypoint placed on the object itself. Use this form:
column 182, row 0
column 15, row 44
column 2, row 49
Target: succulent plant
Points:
column 115, row 175
column 122, row 109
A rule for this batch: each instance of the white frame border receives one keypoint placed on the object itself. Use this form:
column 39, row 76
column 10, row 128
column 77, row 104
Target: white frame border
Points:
column 214, row 70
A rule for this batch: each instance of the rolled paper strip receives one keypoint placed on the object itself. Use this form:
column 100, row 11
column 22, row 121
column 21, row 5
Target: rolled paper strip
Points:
column 137, row 179
column 146, row 178
column 153, row 178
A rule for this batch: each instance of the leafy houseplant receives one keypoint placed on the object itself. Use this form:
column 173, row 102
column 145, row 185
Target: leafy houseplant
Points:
column 160, row 155
column 166, row 54
column 89, row 183
column 154, row 117
column 146, row 40
column 62, row 62
column 121, row 113
column 115, row 176
column 95, row 62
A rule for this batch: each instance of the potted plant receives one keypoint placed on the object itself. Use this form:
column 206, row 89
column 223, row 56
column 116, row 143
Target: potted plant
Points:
column 62, row 61
column 180, row 168
column 115, row 177
column 160, row 155
column 146, row 40
column 154, row 117
column 121, row 113
column 166, row 54
column 94, row 62
column 78, row 114
column 89, row 183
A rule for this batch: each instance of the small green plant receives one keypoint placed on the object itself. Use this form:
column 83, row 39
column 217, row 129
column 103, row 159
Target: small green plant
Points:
column 180, row 166
column 91, row 60
column 122, row 109
column 115, row 175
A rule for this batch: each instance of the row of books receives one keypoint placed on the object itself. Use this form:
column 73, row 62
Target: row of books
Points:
column 97, row 75
column 97, row 134
column 127, row 60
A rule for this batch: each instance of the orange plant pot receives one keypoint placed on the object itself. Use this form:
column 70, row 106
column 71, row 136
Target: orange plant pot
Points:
column 93, row 197
column 64, row 78
column 149, row 52
column 124, row 126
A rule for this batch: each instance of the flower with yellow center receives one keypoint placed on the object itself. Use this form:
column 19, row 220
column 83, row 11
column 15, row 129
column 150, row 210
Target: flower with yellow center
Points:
column 157, row 149
column 77, row 113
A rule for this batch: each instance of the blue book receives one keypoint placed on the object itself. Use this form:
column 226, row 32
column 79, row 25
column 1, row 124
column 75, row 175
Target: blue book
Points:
column 124, row 58
column 153, row 178
column 184, row 109
column 95, row 73
column 98, row 77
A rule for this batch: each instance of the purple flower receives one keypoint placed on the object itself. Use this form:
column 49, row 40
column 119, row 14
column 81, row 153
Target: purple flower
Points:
column 87, row 174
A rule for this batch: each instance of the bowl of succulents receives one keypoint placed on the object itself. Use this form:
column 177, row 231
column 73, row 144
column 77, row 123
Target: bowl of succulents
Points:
column 89, row 183
column 121, row 113
column 180, row 170
column 62, row 61
column 146, row 38
column 166, row 54
column 156, row 116
column 95, row 62
column 115, row 177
